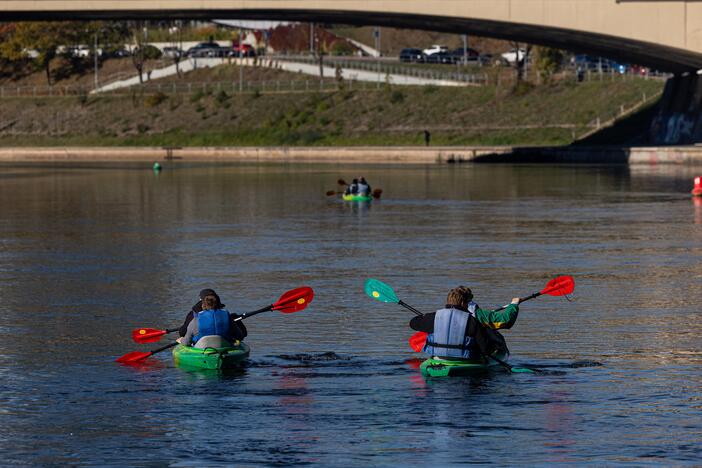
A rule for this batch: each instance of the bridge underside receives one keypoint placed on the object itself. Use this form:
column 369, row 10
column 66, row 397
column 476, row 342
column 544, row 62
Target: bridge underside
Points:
column 653, row 55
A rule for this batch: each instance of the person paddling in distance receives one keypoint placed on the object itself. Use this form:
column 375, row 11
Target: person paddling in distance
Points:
column 352, row 189
column 364, row 188
column 462, row 330
column 208, row 317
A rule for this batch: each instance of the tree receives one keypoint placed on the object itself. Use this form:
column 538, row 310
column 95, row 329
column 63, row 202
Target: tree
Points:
column 548, row 61
column 36, row 42
column 520, row 59
column 143, row 52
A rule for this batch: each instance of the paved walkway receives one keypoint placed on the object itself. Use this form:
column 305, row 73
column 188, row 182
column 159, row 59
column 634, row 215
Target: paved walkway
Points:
column 306, row 68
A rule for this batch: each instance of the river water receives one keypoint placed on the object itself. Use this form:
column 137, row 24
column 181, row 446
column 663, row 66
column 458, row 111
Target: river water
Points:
column 87, row 253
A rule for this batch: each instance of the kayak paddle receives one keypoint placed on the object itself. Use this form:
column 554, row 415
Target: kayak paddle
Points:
column 292, row 301
column 136, row 356
column 382, row 292
column 560, row 286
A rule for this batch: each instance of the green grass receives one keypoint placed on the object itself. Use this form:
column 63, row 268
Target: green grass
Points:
column 391, row 115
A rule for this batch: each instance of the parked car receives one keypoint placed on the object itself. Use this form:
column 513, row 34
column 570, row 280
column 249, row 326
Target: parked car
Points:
column 435, row 49
column 172, row 52
column 439, row 57
column 598, row 64
column 471, row 56
column 245, row 50
column 411, row 55
column 513, row 55
column 207, row 49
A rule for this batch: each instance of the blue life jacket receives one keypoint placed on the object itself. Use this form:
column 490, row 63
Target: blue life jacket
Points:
column 449, row 339
column 213, row 322
column 363, row 189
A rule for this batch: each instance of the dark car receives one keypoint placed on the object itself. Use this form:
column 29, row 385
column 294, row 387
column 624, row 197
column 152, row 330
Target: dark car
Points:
column 207, row 49
column 438, row 57
column 411, row 55
column 471, row 56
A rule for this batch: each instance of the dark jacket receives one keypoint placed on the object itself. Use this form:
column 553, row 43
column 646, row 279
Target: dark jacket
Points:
column 487, row 339
column 238, row 329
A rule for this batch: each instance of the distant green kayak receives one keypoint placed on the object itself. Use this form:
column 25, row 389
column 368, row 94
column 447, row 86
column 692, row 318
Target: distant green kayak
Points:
column 211, row 358
column 357, row 197
column 434, row 367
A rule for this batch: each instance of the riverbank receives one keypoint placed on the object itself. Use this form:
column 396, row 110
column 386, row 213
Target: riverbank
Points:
column 282, row 109
column 680, row 155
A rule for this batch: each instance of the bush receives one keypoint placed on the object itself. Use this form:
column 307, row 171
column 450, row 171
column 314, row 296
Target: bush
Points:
column 341, row 47
column 397, row 97
column 153, row 100
column 142, row 128
column 429, row 89
column 221, row 97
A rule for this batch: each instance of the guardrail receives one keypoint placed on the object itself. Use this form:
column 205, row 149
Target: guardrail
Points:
column 384, row 69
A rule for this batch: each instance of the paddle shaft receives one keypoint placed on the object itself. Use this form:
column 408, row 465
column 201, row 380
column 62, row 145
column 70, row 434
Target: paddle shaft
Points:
column 521, row 299
column 250, row 314
column 409, row 307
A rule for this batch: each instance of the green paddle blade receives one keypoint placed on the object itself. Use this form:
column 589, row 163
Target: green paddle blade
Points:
column 522, row 370
column 380, row 291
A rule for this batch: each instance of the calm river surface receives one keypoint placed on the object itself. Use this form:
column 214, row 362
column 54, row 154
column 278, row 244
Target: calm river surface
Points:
column 87, row 253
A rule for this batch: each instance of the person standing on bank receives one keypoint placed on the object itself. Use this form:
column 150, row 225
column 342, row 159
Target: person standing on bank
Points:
column 237, row 330
column 462, row 330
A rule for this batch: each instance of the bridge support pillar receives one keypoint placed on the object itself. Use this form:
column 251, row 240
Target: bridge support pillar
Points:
column 679, row 118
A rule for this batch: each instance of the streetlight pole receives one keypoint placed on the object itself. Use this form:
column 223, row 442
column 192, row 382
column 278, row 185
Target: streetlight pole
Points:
column 241, row 64
column 376, row 33
column 95, row 56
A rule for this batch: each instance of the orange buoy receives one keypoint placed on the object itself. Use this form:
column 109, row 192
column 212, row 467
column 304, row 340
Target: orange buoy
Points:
column 697, row 189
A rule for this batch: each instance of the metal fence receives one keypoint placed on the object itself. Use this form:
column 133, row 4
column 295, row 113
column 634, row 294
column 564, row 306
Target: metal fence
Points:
column 384, row 68
column 176, row 87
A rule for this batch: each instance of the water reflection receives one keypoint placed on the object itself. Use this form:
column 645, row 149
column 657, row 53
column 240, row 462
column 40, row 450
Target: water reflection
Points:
column 89, row 253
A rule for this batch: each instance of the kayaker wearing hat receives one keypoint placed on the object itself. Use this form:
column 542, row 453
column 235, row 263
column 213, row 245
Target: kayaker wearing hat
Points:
column 352, row 189
column 236, row 330
column 364, row 188
column 462, row 330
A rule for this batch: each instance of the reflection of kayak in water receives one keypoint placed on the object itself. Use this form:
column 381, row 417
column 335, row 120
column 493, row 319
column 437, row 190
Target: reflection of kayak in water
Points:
column 349, row 197
column 211, row 358
column 436, row 367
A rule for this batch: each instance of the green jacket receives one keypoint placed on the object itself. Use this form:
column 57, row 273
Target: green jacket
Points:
column 498, row 319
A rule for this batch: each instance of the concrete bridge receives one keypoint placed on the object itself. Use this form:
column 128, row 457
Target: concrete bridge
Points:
column 663, row 34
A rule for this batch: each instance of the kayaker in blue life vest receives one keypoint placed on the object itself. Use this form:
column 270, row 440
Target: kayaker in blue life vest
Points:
column 364, row 188
column 236, row 330
column 462, row 330
column 352, row 189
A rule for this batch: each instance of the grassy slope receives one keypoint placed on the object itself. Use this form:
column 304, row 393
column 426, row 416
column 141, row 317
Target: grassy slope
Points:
column 388, row 116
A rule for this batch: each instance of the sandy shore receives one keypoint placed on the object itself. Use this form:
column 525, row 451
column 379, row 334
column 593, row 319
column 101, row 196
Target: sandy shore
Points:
column 684, row 155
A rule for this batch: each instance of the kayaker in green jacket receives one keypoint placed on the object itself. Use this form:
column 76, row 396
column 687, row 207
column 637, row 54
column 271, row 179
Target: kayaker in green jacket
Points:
column 462, row 330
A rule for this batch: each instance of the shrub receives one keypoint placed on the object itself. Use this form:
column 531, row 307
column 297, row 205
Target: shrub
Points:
column 153, row 100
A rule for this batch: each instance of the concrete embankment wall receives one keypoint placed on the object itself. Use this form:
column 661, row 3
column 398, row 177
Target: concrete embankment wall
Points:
column 360, row 155
column 681, row 155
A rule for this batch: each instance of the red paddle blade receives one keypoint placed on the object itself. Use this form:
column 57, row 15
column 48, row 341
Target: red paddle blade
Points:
column 559, row 286
column 294, row 300
column 134, row 356
column 417, row 341
column 147, row 335
column 341, row 182
column 377, row 193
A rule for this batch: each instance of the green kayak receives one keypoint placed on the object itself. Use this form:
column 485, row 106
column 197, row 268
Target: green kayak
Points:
column 357, row 197
column 435, row 367
column 211, row 358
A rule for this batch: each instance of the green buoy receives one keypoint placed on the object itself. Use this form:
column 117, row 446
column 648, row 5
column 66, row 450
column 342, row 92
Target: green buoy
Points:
column 157, row 167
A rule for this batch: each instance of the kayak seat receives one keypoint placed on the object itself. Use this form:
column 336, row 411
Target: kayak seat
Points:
column 212, row 341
